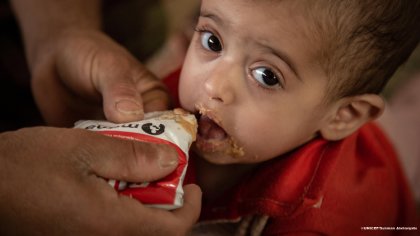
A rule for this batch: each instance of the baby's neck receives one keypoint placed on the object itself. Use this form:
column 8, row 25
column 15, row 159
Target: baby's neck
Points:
column 214, row 180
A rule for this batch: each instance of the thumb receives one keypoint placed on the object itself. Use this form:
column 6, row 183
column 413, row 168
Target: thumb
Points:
column 128, row 95
column 121, row 101
column 128, row 160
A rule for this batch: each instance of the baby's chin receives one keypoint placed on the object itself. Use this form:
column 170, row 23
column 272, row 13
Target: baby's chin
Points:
column 220, row 157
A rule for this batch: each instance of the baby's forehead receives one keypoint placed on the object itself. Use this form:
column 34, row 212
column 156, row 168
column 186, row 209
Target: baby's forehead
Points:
column 266, row 18
column 289, row 27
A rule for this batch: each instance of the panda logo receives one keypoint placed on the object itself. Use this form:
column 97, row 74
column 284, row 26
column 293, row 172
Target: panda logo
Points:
column 153, row 129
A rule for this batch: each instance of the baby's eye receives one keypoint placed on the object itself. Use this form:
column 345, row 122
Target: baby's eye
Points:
column 210, row 42
column 266, row 77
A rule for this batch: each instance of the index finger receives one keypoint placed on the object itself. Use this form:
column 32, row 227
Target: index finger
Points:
column 190, row 211
column 151, row 221
column 126, row 97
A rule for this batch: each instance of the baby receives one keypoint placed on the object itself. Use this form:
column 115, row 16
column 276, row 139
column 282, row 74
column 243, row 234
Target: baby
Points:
column 285, row 92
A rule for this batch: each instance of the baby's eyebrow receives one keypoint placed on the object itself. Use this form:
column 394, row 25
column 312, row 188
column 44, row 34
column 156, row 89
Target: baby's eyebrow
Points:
column 283, row 56
column 212, row 16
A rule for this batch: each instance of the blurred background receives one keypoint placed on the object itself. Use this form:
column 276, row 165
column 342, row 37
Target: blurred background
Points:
column 153, row 30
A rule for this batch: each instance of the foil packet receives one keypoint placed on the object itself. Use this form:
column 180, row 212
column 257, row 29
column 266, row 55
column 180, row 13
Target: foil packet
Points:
column 176, row 128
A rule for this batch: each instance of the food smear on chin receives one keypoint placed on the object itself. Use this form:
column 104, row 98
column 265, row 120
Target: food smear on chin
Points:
column 235, row 150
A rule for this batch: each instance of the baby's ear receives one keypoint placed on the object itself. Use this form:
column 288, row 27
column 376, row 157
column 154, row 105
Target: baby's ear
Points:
column 350, row 114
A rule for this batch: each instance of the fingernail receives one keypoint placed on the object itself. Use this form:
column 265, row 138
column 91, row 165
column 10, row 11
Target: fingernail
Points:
column 168, row 161
column 128, row 107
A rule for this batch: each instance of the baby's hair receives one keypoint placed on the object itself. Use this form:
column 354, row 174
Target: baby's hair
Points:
column 364, row 41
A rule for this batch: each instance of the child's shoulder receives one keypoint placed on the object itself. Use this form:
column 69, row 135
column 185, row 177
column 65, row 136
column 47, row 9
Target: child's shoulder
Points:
column 347, row 184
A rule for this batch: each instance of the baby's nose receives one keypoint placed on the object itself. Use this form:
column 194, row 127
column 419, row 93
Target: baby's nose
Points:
column 221, row 84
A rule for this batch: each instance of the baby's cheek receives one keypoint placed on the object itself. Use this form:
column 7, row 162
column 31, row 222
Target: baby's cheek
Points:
column 184, row 97
column 187, row 103
column 262, row 146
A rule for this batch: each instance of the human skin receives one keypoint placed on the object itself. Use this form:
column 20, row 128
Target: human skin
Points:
column 78, row 71
column 52, row 183
column 259, row 80
column 264, row 120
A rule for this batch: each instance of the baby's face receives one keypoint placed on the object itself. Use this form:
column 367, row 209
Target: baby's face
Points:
column 251, row 73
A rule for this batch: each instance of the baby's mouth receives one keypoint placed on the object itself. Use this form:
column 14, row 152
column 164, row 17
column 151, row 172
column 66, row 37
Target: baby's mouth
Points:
column 211, row 137
column 209, row 129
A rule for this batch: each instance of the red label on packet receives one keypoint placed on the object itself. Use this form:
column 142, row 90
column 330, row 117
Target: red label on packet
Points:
column 176, row 128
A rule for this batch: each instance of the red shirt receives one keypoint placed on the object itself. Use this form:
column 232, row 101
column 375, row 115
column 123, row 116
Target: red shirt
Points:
column 331, row 188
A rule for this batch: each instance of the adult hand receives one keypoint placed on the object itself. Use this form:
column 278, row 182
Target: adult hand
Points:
column 52, row 183
column 79, row 72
